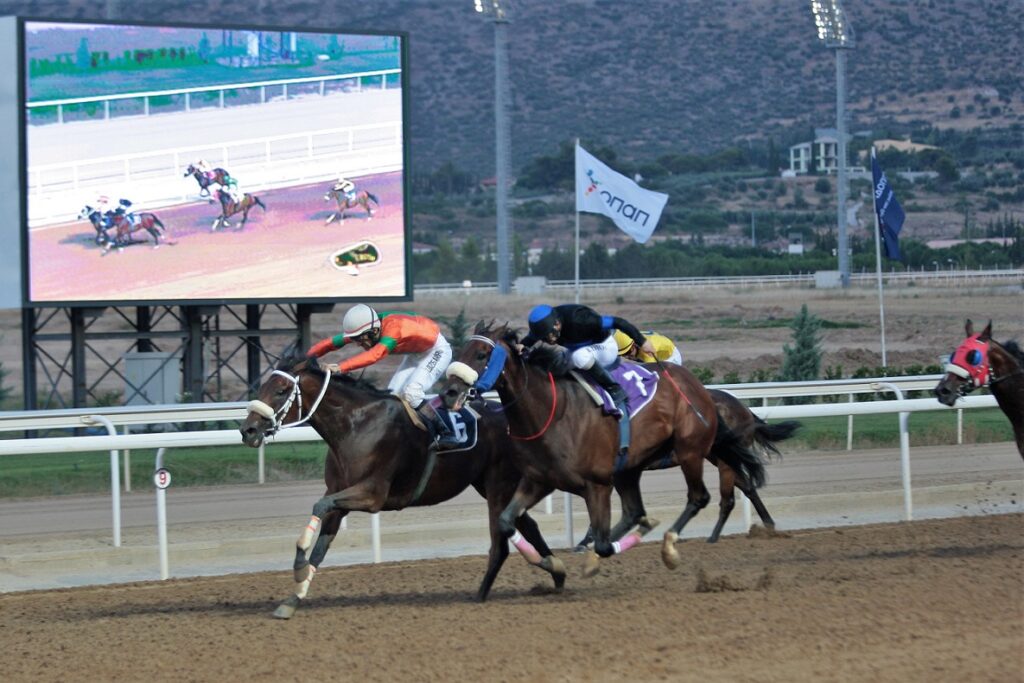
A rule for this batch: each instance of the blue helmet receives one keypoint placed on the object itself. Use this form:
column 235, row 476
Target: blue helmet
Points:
column 542, row 321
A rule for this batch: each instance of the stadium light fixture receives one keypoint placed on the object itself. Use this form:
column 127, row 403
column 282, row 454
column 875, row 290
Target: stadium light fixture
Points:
column 835, row 31
column 497, row 12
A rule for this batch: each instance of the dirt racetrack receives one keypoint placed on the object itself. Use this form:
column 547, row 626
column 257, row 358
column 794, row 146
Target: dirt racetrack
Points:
column 938, row 600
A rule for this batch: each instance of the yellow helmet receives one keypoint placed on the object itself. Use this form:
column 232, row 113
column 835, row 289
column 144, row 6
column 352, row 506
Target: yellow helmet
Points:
column 623, row 341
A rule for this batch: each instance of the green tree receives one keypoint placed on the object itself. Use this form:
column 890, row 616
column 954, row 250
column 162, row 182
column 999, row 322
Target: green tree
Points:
column 802, row 361
column 457, row 329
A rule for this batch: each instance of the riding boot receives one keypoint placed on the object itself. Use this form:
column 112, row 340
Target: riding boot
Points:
column 440, row 432
column 618, row 395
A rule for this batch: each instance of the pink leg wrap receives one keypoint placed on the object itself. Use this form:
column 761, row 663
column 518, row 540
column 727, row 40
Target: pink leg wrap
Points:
column 525, row 548
column 626, row 543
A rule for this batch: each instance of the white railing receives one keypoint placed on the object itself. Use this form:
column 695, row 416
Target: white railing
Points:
column 959, row 276
column 126, row 416
column 147, row 95
column 155, row 178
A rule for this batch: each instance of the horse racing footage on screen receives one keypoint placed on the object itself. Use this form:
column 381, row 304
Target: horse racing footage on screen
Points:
column 194, row 163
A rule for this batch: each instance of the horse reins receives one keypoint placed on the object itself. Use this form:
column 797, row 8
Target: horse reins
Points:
column 665, row 373
column 554, row 393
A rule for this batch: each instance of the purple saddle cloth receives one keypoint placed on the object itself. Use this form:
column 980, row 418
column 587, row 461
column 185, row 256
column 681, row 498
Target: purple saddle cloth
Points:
column 639, row 383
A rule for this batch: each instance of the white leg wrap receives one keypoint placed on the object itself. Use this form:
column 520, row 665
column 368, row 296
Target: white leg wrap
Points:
column 303, row 586
column 309, row 533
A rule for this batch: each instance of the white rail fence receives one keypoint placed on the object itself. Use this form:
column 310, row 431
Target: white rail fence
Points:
column 133, row 416
column 156, row 178
column 957, row 275
column 264, row 90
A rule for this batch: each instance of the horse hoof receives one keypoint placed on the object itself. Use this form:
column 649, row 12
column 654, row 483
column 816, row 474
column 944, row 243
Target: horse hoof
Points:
column 556, row 568
column 287, row 608
column 592, row 565
column 669, row 554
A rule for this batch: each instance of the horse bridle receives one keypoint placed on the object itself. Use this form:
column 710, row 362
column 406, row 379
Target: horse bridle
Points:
column 263, row 410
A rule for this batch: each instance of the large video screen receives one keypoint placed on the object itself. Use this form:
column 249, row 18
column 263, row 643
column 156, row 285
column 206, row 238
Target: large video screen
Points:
column 174, row 164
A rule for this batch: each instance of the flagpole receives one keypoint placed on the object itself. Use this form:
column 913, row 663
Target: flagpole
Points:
column 878, row 267
column 576, row 252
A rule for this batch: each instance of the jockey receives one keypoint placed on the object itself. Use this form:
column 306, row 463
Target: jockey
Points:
column 122, row 210
column 427, row 355
column 345, row 186
column 231, row 187
column 103, row 208
column 589, row 339
column 203, row 166
column 664, row 350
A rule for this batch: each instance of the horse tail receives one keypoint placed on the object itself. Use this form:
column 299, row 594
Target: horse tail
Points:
column 257, row 200
column 156, row 222
column 767, row 435
column 730, row 449
column 373, row 197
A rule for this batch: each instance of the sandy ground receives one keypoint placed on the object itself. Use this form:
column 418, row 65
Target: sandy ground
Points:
column 924, row 601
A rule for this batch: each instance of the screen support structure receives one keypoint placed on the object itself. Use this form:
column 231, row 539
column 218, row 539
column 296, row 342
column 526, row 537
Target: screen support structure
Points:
column 71, row 357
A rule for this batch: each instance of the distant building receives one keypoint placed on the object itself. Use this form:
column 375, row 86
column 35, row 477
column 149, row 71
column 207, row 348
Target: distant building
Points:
column 819, row 156
column 796, row 243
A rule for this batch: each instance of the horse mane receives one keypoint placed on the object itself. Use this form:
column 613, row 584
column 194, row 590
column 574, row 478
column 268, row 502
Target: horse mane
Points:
column 1013, row 348
column 548, row 357
column 288, row 362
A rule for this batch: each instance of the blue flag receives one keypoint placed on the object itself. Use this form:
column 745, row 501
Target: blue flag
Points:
column 890, row 213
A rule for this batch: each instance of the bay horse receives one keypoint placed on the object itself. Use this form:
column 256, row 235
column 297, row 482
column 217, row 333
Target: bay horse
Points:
column 980, row 361
column 362, row 198
column 566, row 442
column 229, row 207
column 206, row 178
column 379, row 460
column 756, row 435
column 127, row 224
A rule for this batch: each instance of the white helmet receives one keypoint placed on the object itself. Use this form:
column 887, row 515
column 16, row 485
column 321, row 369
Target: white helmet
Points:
column 358, row 320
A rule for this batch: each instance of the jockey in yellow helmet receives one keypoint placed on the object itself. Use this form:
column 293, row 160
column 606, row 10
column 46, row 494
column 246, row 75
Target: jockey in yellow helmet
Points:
column 664, row 349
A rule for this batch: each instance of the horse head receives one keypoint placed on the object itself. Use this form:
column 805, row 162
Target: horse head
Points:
column 968, row 368
column 279, row 401
column 191, row 170
column 480, row 365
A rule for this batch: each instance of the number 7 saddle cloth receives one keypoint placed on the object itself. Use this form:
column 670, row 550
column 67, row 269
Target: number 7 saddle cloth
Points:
column 639, row 383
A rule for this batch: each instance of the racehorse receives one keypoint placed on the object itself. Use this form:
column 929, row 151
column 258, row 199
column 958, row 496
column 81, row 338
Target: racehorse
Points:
column 123, row 227
column 363, row 199
column 229, row 207
column 567, row 443
column 96, row 217
column 379, row 460
column 207, row 178
column 981, row 361
column 756, row 435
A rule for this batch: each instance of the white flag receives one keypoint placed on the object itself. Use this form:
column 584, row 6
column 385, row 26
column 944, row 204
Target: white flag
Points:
column 599, row 189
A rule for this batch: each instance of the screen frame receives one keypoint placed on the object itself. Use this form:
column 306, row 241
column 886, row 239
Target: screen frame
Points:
column 22, row 137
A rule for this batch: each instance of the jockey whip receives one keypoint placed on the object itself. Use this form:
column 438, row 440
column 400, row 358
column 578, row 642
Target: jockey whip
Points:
column 665, row 373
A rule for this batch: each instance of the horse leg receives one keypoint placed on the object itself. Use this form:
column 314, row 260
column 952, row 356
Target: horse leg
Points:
column 727, row 492
column 627, row 484
column 697, row 498
column 367, row 496
column 156, row 236
column 525, row 536
column 755, row 499
column 304, row 570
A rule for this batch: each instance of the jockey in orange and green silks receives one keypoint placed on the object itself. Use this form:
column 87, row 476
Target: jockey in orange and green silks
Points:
column 427, row 354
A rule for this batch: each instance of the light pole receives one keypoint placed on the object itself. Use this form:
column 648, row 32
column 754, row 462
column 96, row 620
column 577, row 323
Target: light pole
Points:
column 836, row 33
column 497, row 11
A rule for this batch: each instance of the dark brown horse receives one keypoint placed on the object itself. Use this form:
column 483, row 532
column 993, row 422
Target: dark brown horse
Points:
column 379, row 460
column 980, row 361
column 125, row 225
column 362, row 198
column 229, row 207
column 216, row 176
column 566, row 442
column 754, row 434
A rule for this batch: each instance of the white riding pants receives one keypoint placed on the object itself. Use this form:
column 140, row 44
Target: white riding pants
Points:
column 419, row 371
column 604, row 354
